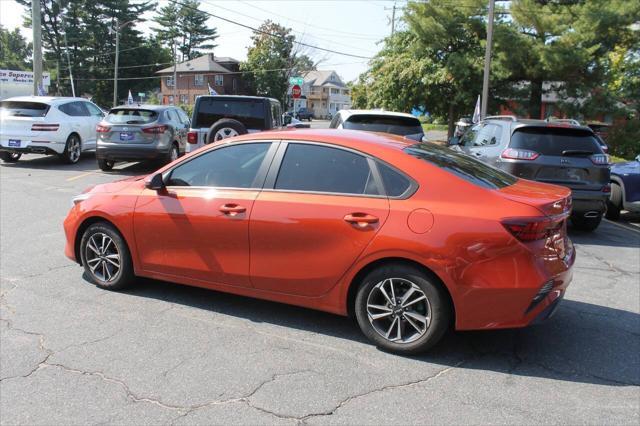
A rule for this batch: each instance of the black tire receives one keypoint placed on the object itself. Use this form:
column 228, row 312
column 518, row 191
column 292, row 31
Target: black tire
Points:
column 587, row 224
column 72, row 149
column 10, row 157
column 173, row 154
column 105, row 165
column 436, row 307
column 614, row 204
column 224, row 126
column 101, row 272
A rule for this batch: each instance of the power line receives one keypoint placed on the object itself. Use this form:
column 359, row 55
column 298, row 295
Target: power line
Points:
column 257, row 30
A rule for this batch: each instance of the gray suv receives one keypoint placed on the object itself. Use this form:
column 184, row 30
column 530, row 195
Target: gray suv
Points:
column 561, row 153
column 141, row 132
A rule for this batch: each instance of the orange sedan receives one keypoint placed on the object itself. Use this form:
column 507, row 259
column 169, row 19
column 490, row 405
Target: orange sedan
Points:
column 410, row 238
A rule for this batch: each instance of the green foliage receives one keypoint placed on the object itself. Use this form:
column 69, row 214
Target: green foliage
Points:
column 15, row 52
column 188, row 109
column 188, row 26
column 624, row 139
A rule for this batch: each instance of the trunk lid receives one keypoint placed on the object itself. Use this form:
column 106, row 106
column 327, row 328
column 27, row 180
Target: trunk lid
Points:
column 125, row 126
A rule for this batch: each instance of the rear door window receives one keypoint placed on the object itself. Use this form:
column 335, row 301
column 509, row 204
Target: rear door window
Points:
column 131, row 116
column 316, row 168
column 23, row 109
column 555, row 141
column 462, row 165
column 250, row 112
column 384, row 123
column 75, row 109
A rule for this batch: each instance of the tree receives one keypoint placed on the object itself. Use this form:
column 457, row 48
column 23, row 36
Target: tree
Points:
column 269, row 60
column 188, row 26
column 15, row 52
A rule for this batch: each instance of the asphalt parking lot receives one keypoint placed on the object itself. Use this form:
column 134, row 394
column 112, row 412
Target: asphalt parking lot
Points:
column 161, row 353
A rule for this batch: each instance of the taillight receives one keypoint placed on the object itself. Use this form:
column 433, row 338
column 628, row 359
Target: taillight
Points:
column 532, row 228
column 45, row 127
column 155, row 129
column 606, row 189
column 519, row 154
column 102, row 129
column 192, row 137
column 600, row 159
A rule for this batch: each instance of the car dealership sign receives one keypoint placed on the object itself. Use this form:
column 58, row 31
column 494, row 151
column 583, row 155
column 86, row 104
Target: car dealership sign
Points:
column 22, row 77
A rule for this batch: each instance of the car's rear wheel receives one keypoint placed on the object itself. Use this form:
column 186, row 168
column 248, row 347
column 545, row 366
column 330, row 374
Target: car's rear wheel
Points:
column 173, row 154
column 105, row 257
column 225, row 128
column 587, row 224
column 105, row 165
column 10, row 157
column 401, row 309
column 614, row 205
column 72, row 149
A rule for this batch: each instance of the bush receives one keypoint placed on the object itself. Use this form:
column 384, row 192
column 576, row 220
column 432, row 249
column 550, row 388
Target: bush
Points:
column 187, row 108
column 624, row 139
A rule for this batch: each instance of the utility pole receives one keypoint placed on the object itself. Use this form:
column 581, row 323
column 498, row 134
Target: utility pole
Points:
column 37, row 46
column 117, row 29
column 393, row 19
column 487, row 61
column 175, row 71
column 66, row 47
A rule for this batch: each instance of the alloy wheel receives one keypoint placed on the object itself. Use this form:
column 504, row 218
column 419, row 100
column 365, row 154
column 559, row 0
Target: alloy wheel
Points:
column 399, row 310
column 225, row 132
column 174, row 154
column 74, row 149
column 103, row 257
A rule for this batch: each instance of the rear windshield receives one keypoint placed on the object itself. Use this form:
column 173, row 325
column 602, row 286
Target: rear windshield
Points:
column 462, row 165
column 555, row 140
column 23, row 109
column 250, row 112
column 384, row 123
column 131, row 116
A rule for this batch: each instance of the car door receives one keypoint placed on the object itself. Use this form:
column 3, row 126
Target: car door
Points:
column 198, row 227
column 320, row 208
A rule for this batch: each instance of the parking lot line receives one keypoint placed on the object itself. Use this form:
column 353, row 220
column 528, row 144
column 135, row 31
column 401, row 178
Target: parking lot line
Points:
column 624, row 226
column 79, row 176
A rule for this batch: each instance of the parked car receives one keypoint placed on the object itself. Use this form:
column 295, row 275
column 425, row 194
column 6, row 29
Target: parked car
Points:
column 625, row 188
column 409, row 237
column 141, row 132
column 219, row 117
column 395, row 123
column 304, row 114
column 293, row 123
column 561, row 153
column 62, row 126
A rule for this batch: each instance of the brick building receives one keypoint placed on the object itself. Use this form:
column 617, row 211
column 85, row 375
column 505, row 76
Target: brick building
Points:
column 196, row 75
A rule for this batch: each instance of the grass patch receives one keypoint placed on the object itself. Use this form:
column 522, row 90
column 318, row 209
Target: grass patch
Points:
column 429, row 126
column 615, row 159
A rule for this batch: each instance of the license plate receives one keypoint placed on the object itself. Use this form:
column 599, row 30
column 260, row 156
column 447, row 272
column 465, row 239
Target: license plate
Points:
column 126, row 136
column 14, row 143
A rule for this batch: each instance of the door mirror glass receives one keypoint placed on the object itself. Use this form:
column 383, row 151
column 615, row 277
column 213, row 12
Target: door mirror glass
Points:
column 156, row 182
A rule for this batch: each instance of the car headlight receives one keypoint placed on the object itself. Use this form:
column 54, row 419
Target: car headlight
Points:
column 79, row 198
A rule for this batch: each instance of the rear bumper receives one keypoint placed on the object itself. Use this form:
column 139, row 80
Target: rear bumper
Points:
column 32, row 149
column 587, row 201
column 134, row 153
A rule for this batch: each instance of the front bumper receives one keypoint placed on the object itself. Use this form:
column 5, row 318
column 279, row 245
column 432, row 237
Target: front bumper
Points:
column 131, row 152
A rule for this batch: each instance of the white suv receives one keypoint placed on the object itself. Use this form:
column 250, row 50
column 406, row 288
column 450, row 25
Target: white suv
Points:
column 378, row 120
column 47, row 125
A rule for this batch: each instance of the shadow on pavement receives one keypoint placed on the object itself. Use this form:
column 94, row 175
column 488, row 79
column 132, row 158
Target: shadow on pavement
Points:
column 608, row 234
column 583, row 342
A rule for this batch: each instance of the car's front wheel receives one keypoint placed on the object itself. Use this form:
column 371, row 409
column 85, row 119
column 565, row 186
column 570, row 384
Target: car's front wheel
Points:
column 10, row 157
column 72, row 149
column 105, row 257
column 587, row 224
column 401, row 309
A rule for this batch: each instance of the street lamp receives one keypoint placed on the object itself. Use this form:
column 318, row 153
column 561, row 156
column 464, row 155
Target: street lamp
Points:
column 116, row 30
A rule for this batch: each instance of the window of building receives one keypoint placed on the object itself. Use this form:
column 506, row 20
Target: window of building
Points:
column 345, row 92
column 324, row 169
column 184, row 99
column 170, row 100
column 335, row 91
column 198, row 80
column 169, row 82
column 219, row 80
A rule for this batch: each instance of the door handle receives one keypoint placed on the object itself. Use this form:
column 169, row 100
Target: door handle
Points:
column 361, row 219
column 232, row 209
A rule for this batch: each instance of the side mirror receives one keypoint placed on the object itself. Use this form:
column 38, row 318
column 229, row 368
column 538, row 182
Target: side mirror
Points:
column 156, row 182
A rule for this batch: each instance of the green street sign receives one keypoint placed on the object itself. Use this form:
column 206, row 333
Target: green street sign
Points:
column 141, row 94
column 296, row 80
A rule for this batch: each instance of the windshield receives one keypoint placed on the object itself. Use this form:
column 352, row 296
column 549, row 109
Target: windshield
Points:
column 250, row 112
column 23, row 109
column 555, row 140
column 462, row 165
column 395, row 125
column 131, row 116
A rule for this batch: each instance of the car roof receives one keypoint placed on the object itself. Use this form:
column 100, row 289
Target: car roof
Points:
column 232, row 97
column 517, row 123
column 145, row 106
column 50, row 100
column 351, row 112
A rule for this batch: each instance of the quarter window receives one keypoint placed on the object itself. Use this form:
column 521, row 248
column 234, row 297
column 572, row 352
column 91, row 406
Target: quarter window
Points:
column 395, row 183
column 75, row 109
column 323, row 169
column 488, row 135
column 234, row 166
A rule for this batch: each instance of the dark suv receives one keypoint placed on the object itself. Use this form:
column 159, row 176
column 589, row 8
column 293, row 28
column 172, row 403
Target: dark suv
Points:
column 561, row 153
column 219, row 117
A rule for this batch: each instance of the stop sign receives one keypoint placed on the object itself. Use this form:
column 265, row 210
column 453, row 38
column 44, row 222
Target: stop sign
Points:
column 296, row 91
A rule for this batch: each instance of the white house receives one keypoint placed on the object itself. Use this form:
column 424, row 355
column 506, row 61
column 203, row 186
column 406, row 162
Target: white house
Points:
column 326, row 93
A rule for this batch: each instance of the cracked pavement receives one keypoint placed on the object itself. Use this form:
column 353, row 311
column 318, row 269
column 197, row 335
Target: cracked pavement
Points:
column 161, row 353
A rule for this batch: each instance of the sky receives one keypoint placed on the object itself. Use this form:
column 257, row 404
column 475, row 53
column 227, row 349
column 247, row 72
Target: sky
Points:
column 347, row 26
